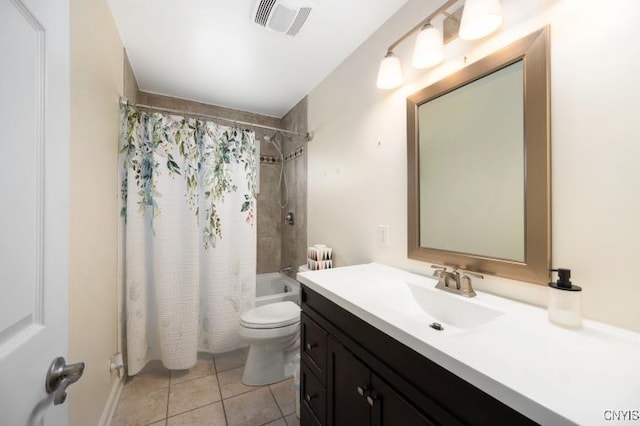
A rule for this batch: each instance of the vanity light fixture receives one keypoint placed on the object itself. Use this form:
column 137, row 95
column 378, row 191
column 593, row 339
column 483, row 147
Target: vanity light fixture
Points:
column 429, row 48
column 390, row 72
column 479, row 19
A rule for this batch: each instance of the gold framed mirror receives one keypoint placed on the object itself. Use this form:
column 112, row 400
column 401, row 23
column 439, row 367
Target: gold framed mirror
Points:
column 478, row 148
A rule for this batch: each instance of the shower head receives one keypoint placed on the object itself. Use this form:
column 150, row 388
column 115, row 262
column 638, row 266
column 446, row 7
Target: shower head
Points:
column 271, row 138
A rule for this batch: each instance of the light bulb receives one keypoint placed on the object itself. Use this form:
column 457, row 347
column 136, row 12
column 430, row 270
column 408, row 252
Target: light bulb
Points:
column 480, row 18
column 429, row 48
column 390, row 72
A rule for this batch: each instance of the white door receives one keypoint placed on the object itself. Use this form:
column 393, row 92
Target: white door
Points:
column 34, row 199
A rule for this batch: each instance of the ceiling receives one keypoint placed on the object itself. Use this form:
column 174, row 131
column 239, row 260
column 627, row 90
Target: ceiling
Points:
column 211, row 50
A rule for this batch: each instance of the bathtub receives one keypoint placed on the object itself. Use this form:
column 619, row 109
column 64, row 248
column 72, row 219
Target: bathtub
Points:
column 276, row 287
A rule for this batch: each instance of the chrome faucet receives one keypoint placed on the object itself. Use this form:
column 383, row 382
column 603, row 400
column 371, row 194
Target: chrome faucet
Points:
column 286, row 269
column 452, row 282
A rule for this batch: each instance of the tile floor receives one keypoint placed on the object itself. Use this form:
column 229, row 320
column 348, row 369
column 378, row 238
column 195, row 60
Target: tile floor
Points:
column 210, row 393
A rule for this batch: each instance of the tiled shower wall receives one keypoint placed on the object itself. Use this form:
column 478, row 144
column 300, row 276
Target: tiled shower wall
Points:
column 269, row 220
column 278, row 244
column 294, row 238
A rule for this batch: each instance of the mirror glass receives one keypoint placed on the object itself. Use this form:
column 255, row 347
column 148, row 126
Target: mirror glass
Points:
column 478, row 145
column 471, row 148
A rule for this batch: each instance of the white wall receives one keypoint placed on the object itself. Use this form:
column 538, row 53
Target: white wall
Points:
column 96, row 85
column 357, row 160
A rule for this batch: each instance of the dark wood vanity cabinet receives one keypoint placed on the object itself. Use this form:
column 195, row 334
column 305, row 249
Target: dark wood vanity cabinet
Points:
column 353, row 374
column 357, row 396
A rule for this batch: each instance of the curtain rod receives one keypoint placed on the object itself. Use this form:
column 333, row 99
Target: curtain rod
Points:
column 125, row 102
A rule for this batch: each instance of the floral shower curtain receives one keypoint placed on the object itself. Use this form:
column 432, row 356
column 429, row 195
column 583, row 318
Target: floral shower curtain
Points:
column 188, row 193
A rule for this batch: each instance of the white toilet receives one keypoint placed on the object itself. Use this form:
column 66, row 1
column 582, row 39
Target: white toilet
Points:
column 273, row 332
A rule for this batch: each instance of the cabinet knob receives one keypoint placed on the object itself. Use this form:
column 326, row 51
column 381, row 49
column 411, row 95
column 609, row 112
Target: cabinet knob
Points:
column 361, row 390
column 309, row 397
column 371, row 400
column 310, row 346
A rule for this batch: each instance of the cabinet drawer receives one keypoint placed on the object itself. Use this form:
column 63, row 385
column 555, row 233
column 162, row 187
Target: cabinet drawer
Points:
column 313, row 394
column 314, row 346
column 306, row 416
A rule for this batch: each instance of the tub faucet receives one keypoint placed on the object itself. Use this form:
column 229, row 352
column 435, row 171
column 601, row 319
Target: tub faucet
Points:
column 286, row 269
column 452, row 282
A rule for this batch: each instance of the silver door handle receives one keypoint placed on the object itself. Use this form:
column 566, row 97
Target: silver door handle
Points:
column 60, row 376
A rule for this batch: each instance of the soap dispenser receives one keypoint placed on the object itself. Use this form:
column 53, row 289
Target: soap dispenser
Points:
column 565, row 301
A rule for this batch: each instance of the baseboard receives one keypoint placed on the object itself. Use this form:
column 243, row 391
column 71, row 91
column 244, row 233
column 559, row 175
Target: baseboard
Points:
column 112, row 402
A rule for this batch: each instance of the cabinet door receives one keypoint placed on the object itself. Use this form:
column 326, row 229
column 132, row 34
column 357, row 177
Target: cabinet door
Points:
column 347, row 387
column 388, row 408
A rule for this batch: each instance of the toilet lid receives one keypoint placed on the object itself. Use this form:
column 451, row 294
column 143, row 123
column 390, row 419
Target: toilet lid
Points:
column 273, row 315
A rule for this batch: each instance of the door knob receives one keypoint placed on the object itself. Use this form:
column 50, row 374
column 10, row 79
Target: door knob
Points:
column 60, row 376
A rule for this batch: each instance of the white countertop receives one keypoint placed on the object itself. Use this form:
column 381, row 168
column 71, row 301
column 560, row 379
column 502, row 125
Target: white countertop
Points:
column 553, row 375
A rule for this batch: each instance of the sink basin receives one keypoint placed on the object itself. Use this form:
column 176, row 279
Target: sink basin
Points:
column 452, row 309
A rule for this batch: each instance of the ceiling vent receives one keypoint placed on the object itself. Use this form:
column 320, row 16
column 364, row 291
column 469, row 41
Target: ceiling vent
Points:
column 283, row 16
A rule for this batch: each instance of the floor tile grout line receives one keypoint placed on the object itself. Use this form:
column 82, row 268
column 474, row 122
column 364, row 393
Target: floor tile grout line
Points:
column 224, row 410
column 245, row 392
column 229, row 369
column 198, row 377
column 166, row 414
column 187, row 381
column 170, row 381
column 274, row 395
column 192, row 409
column 253, row 388
column 194, row 378
column 205, row 405
column 276, row 401
column 281, row 418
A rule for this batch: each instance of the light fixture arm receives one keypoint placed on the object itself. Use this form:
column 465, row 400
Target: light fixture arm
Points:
column 440, row 10
column 450, row 16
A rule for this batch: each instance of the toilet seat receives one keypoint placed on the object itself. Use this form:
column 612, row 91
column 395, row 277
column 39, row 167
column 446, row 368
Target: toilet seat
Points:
column 273, row 315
